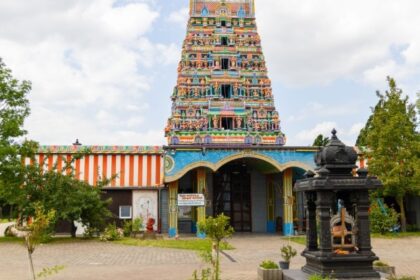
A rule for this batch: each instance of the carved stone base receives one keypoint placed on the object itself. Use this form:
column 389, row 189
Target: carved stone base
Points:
column 352, row 266
column 295, row 274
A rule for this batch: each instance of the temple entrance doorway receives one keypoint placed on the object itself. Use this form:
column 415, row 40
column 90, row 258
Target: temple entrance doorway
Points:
column 232, row 195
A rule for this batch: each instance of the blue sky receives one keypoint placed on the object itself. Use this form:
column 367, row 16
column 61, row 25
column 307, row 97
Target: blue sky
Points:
column 103, row 70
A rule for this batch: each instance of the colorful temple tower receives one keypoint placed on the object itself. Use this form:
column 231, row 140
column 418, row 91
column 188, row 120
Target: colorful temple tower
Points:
column 224, row 136
column 223, row 94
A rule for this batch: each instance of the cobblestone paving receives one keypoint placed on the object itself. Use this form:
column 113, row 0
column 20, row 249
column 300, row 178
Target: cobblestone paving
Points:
column 96, row 260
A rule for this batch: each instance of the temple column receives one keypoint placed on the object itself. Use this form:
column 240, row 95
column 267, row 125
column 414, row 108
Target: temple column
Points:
column 173, row 209
column 323, row 205
column 311, row 233
column 288, row 202
column 363, row 226
column 201, row 187
column 271, row 223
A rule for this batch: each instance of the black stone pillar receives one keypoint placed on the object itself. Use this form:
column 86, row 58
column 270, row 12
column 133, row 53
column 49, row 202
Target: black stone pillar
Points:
column 363, row 224
column 323, row 205
column 311, row 234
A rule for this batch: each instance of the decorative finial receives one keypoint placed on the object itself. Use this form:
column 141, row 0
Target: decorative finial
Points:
column 77, row 143
column 334, row 132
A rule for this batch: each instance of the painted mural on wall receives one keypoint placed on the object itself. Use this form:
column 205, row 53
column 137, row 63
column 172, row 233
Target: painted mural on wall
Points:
column 145, row 205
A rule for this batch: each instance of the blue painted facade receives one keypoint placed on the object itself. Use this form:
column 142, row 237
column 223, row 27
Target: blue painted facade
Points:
column 180, row 161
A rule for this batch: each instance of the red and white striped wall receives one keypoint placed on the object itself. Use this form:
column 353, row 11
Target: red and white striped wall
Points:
column 131, row 170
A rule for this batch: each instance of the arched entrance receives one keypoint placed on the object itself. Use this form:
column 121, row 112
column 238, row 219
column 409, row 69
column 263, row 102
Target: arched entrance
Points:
column 257, row 195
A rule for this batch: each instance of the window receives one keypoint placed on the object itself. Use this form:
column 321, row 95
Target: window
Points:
column 224, row 41
column 226, row 91
column 225, row 63
column 223, row 23
column 125, row 212
column 227, row 123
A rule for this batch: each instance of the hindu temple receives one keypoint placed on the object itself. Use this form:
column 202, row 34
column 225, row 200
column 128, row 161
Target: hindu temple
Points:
column 225, row 152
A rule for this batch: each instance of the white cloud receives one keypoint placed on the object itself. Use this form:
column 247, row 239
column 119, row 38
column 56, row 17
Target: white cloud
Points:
column 180, row 16
column 316, row 42
column 355, row 129
column 85, row 63
column 306, row 137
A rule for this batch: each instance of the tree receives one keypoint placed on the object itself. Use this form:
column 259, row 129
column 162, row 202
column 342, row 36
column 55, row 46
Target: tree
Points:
column 216, row 229
column 321, row 141
column 392, row 145
column 37, row 230
column 59, row 190
column 14, row 108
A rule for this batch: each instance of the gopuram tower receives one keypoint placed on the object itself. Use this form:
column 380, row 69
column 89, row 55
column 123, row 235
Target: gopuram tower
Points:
column 223, row 94
column 226, row 152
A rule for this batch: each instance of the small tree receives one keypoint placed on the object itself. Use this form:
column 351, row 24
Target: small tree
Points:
column 392, row 145
column 382, row 218
column 321, row 141
column 37, row 230
column 216, row 229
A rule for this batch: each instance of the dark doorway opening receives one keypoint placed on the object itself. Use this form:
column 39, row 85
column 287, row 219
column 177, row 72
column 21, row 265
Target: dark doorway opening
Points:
column 225, row 63
column 224, row 41
column 232, row 195
column 227, row 123
column 226, row 90
column 223, row 23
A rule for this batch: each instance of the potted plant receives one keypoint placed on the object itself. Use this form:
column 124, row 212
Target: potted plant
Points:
column 269, row 270
column 287, row 253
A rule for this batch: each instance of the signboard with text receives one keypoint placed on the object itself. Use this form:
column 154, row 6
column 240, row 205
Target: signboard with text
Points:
column 191, row 199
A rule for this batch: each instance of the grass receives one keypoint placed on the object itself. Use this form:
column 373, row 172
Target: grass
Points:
column 190, row 244
column 3, row 221
column 302, row 239
column 11, row 240
column 297, row 239
column 393, row 235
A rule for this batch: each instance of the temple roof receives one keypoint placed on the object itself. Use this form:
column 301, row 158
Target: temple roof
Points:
column 234, row 8
column 74, row 149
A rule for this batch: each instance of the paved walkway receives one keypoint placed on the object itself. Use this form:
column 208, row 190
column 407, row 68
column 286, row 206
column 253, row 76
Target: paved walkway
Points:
column 97, row 260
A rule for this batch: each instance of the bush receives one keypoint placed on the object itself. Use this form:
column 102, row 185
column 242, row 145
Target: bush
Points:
column 268, row 264
column 380, row 264
column 91, row 232
column 382, row 220
column 127, row 228
column 111, row 233
column 318, row 277
column 287, row 252
column 137, row 224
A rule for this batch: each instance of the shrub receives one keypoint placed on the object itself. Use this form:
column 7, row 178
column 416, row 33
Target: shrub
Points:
column 111, row 233
column 318, row 277
column 380, row 264
column 137, row 224
column 269, row 264
column 91, row 232
column 287, row 252
column 127, row 228
column 382, row 220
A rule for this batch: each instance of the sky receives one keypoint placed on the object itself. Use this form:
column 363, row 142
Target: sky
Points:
column 103, row 71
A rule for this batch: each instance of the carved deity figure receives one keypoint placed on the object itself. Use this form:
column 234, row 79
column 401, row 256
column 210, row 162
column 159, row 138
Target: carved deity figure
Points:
column 215, row 122
column 239, row 122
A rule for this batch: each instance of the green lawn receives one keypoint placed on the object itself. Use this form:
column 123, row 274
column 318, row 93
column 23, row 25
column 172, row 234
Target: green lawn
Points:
column 11, row 240
column 3, row 221
column 297, row 239
column 188, row 244
column 396, row 235
column 302, row 239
